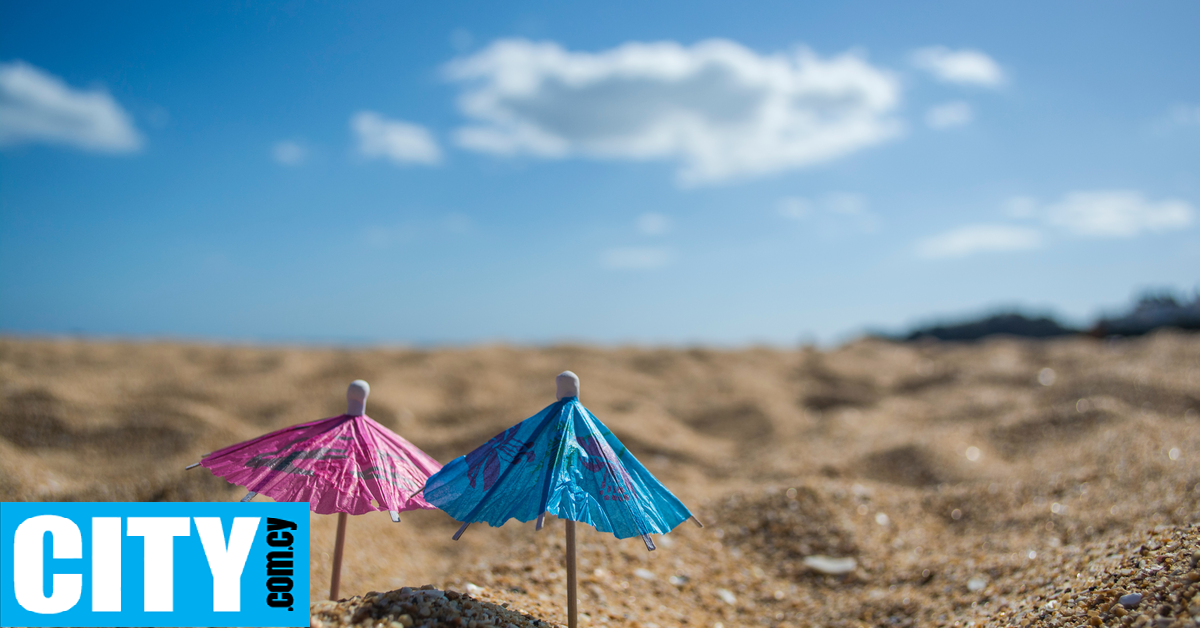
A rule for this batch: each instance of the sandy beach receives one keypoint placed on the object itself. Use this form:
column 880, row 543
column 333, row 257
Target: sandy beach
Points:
column 1007, row 482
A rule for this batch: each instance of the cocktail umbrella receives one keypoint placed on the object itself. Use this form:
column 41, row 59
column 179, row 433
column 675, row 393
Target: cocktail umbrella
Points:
column 347, row 464
column 561, row 461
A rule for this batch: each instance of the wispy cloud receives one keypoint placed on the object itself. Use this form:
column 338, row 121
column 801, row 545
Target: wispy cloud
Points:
column 449, row 227
column 964, row 67
column 1091, row 214
column 636, row 258
column 1020, row 207
column 830, row 210
column 972, row 239
column 1185, row 115
column 38, row 107
column 400, row 142
column 1117, row 214
column 653, row 224
column 1180, row 116
column 949, row 115
column 724, row 111
column 289, row 153
column 461, row 39
column 794, row 207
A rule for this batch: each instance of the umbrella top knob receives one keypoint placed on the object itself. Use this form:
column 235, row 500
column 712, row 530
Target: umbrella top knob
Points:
column 356, row 397
column 568, row 384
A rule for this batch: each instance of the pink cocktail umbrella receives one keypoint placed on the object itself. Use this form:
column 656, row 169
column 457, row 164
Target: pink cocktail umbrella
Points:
column 347, row 464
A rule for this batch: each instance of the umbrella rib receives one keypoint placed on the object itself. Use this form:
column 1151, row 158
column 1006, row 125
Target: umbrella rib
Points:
column 558, row 455
column 368, row 435
column 405, row 460
column 398, row 459
column 268, row 479
column 240, row 446
column 627, row 503
column 267, row 482
column 692, row 517
column 500, row 480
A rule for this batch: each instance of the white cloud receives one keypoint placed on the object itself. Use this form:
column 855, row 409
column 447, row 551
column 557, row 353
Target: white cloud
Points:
column 830, row 211
column 1185, row 117
column 1117, row 214
column 970, row 239
column 948, row 115
column 969, row 67
column 1188, row 115
column 445, row 228
column 636, row 258
column 458, row 223
column 653, row 224
column 794, row 208
column 724, row 111
column 401, row 142
column 36, row 106
column 289, row 153
column 1020, row 207
column 1096, row 214
column 461, row 39
column 846, row 204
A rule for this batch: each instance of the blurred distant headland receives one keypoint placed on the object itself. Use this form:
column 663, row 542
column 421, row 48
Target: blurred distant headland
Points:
column 1151, row 311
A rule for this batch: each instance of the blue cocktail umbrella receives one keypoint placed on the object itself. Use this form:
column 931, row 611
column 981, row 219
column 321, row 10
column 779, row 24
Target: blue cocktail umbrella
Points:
column 561, row 461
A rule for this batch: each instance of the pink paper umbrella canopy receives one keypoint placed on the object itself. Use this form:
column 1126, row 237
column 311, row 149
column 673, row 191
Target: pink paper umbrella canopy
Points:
column 338, row 464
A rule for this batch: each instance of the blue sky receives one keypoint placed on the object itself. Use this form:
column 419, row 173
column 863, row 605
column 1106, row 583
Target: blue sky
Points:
column 667, row 172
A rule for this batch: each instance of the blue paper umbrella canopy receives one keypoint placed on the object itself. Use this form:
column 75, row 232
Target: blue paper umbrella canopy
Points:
column 561, row 461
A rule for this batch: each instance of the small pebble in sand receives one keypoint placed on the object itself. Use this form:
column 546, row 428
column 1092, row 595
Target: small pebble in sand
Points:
column 830, row 565
column 977, row 583
column 1130, row 600
column 727, row 596
column 644, row 574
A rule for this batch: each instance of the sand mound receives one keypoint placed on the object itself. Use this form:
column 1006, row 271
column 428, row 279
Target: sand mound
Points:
column 423, row 607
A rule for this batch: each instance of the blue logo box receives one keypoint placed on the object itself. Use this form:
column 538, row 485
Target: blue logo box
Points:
column 154, row 564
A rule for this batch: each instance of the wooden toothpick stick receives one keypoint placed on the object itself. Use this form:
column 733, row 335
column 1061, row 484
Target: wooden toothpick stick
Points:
column 572, row 602
column 335, row 578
